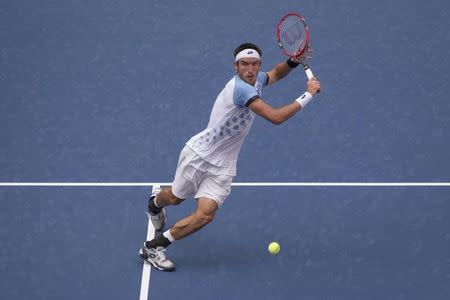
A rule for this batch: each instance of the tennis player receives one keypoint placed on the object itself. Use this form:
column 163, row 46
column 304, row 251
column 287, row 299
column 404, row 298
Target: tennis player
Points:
column 207, row 163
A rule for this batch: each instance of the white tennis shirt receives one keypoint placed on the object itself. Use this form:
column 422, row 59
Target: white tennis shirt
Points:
column 229, row 123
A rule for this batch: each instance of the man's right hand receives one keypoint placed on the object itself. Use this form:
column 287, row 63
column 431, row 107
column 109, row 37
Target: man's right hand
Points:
column 313, row 86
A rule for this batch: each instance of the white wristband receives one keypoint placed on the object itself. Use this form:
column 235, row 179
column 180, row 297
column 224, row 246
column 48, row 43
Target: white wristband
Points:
column 304, row 99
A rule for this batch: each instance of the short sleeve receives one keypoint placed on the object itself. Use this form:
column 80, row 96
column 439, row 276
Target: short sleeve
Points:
column 263, row 78
column 243, row 93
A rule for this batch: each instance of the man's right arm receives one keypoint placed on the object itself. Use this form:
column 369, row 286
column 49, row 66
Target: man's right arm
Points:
column 279, row 115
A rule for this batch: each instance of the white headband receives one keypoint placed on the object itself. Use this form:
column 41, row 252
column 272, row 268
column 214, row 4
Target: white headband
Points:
column 247, row 53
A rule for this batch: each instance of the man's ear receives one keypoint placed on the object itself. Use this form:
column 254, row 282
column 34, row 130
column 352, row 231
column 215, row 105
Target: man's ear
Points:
column 235, row 66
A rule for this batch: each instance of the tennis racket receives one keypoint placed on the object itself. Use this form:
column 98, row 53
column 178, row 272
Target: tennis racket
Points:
column 293, row 37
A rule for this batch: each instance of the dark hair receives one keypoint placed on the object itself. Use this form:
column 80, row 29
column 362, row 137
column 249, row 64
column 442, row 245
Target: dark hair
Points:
column 247, row 46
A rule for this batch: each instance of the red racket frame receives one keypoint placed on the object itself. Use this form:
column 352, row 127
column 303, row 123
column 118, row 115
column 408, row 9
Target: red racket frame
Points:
column 300, row 51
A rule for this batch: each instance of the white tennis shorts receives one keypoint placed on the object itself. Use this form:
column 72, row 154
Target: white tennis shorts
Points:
column 195, row 176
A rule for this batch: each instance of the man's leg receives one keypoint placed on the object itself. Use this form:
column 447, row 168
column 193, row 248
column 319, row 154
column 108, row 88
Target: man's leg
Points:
column 153, row 251
column 183, row 186
column 206, row 210
column 159, row 199
column 166, row 197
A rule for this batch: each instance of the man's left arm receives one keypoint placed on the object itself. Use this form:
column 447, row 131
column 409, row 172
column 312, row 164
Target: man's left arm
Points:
column 280, row 71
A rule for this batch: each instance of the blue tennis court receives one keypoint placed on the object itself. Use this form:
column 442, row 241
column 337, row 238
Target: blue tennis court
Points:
column 108, row 92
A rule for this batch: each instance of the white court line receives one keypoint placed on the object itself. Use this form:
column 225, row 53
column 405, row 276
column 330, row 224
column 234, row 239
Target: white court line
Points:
column 251, row 184
column 350, row 184
column 146, row 269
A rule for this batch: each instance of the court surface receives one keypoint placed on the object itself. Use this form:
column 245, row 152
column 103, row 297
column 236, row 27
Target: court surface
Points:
column 109, row 91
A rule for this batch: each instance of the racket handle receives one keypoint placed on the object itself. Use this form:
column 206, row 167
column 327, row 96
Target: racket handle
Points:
column 309, row 73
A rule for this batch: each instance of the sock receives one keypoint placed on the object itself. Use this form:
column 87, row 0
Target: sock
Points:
column 152, row 206
column 169, row 236
column 159, row 241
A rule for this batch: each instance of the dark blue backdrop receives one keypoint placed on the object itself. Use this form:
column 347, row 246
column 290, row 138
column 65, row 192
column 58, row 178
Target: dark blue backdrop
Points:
column 111, row 90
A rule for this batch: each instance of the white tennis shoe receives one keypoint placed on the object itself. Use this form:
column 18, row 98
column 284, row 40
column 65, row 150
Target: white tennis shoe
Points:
column 157, row 258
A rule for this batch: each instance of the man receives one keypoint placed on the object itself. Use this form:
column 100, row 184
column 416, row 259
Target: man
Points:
column 207, row 163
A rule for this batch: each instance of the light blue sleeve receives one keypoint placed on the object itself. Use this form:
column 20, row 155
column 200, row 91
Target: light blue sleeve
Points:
column 262, row 78
column 243, row 92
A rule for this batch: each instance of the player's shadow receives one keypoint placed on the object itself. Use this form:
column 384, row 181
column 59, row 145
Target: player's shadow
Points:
column 204, row 253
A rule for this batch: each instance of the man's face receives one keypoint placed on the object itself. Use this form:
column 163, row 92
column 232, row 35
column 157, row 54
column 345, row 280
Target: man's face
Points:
column 248, row 69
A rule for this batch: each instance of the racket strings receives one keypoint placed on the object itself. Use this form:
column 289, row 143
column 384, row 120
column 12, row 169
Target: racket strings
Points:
column 292, row 35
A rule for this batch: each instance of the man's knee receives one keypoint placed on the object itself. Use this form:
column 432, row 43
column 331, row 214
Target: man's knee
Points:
column 176, row 200
column 168, row 194
column 206, row 210
column 205, row 218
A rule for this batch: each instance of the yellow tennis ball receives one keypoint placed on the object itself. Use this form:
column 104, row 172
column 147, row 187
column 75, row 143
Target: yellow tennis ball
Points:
column 274, row 248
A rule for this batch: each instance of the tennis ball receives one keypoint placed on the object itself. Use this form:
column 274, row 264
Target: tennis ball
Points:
column 274, row 248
